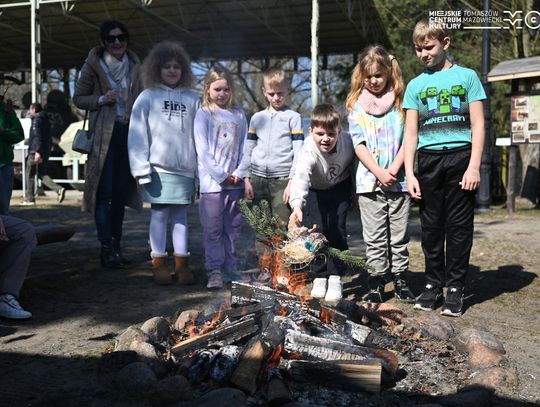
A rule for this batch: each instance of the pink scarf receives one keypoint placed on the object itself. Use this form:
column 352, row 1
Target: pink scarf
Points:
column 377, row 105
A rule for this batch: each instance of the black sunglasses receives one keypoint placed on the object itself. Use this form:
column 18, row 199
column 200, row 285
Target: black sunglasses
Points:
column 111, row 39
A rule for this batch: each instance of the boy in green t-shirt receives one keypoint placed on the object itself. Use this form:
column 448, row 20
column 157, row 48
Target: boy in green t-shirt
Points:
column 445, row 123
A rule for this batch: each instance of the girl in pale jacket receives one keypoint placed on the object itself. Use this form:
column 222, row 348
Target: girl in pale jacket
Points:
column 162, row 154
column 220, row 131
column 108, row 85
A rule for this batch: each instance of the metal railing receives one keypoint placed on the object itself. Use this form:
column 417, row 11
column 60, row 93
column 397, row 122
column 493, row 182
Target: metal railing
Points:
column 22, row 151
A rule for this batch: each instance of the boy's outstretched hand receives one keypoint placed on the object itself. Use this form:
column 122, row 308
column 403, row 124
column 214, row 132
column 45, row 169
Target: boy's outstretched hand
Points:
column 470, row 180
column 413, row 187
column 296, row 216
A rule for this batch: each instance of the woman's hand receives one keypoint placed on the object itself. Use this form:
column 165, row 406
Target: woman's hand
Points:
column 109, row 98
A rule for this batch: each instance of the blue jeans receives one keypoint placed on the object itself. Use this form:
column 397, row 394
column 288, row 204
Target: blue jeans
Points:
column 113, row 187
column 6, row 187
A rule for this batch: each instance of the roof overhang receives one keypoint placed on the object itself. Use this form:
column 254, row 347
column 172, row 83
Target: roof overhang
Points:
column 209, row 29
column 515, row 69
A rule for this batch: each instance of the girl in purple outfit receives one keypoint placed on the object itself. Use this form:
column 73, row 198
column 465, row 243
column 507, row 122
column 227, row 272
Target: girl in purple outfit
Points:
column 220, row 130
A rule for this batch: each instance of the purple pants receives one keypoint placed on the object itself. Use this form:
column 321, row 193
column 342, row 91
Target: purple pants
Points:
column 221, row 221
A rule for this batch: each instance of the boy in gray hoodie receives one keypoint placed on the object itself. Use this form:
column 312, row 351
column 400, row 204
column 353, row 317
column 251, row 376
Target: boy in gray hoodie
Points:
column 274, row 139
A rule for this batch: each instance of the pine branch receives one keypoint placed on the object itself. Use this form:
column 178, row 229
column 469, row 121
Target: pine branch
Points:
column 267, row 227
column 346, row 257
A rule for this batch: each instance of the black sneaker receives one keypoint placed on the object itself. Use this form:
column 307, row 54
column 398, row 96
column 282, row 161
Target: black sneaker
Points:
column 402, row 292
column 375, row 295
column 430, row 299
column 453, row 303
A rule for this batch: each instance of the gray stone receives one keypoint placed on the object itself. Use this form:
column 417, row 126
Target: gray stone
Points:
column 170, row 390
column 481, row 357
column 495, row 378
column 130, row 335
column 136, row 380
column 430, row 324
column 224, row 397
column 148, row 354
column 185, row 317
column 469, row 338
column 157, row 328
column 114, row 361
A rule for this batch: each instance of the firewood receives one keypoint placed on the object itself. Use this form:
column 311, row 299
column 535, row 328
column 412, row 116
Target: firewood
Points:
column 278, row 393
column 226, row 335
column 246, row 372
column 323, row 349
column 245, row 293
column 362, row 375
column 52, row 233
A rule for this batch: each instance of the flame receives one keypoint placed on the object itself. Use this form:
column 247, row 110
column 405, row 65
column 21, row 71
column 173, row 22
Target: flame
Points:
column 273, row 360
column 192, row 329
column 216, row 320
column 326, row 316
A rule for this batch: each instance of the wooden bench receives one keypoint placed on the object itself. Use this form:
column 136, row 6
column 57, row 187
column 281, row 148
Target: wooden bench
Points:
column 53, row 233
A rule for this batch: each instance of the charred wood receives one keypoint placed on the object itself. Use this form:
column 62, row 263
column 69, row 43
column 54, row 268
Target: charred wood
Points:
column 322, row 349
column 247, row 371
column 353, row 375
column 225, row 335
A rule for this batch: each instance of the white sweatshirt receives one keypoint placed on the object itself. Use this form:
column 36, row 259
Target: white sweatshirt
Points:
column 318, row 170
column 161, row 132
column 219, row 139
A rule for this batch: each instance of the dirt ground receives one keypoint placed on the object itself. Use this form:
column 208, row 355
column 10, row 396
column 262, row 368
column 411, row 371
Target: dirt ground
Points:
column 78, row 308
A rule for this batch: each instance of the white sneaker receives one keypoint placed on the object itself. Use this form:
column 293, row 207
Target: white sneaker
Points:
column 215, row 279
column 335, row 289
column 10, row 308
column 319, row 288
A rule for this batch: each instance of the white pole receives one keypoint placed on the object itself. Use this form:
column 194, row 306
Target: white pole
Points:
column 314, row 52
column 35, row 44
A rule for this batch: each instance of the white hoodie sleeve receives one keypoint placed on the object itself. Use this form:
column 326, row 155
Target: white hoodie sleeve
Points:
column 202, row 129
column 239, row 172
column 139, row 138
column 301, row 181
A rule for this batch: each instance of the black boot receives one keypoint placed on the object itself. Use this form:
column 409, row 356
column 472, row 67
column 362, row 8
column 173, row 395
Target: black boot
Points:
column 109, row 257
column 118, row 250
column 376, row 289
column 401, row 291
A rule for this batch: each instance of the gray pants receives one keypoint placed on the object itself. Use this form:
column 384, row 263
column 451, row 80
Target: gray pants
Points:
column 384, row 225
column 15, row 254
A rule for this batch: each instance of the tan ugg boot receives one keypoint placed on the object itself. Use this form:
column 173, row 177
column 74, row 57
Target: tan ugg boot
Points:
column 182, row 270
column 160, row 271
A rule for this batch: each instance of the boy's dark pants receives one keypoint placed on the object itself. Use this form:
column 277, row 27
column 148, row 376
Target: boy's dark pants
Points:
column 446, row 214
column 327, row 208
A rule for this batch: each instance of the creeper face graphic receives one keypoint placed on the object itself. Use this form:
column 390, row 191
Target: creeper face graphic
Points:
column 444, row 101
column 458, row 95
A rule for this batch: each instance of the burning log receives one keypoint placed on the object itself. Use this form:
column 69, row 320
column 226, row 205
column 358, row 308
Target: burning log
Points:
column 242, row 293
column 245, row 293
column 353, row 376
column 256, row 309
column 225, row 335
column 246, row 372
column 313, row 348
